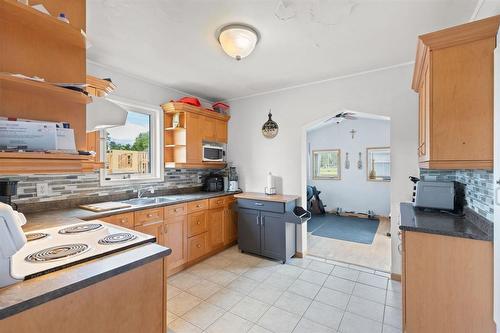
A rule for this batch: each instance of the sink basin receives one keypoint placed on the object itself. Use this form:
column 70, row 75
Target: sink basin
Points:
column 140, row 201
column 148, row 201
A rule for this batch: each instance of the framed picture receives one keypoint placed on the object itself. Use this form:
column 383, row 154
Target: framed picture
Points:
column 378, row 164
column 326, row 164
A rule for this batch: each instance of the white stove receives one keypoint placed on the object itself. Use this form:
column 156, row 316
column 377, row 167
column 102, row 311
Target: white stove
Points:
column 52, row 249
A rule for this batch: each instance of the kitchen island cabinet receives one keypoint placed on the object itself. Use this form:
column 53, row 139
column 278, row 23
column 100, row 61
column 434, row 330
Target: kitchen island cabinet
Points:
column 266, row 225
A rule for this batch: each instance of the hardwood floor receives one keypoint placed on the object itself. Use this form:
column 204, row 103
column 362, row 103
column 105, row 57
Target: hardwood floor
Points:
column 376, row 255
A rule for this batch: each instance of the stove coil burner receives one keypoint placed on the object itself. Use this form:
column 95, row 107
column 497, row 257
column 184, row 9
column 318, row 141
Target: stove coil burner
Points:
column 76, row 229
column 35, row 236
column 57, row 253
column 121, row 237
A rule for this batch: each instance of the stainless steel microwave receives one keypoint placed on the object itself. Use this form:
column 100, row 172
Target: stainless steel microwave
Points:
column 213, row 153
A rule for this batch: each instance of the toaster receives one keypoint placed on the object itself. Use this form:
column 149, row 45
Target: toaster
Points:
column 436, row 195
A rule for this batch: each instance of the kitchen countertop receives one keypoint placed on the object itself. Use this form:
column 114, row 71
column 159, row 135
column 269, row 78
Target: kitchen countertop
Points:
column 469, row 226
column 30, row 293
column 266, row 197
column 56, row 217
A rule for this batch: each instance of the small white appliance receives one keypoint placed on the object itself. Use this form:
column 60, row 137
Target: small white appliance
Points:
column 436, row 195
column 270, row 189
column 25, row 256
column 12, row 239
column 213, row 153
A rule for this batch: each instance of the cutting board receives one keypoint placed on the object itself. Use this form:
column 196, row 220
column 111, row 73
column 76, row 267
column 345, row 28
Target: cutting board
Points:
column 105, row 206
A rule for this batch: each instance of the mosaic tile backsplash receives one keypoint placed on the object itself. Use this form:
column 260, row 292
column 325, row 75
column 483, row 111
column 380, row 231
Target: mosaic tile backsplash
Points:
column 478, row 190
column 63, row 187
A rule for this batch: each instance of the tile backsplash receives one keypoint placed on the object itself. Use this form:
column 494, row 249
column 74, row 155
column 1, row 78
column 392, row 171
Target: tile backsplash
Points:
column 478, row 190
column 63, row 187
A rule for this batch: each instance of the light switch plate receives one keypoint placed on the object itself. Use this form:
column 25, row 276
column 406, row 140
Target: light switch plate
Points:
column 42, row 189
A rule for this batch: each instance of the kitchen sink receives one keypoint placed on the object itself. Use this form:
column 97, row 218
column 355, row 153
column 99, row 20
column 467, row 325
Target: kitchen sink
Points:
column 148, row 201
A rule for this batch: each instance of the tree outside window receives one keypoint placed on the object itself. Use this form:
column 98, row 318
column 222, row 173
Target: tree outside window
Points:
column 326, row 164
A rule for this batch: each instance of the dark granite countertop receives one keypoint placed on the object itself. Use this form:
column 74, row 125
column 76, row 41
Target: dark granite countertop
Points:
column 74, row 215
column 30, row 293
column 469, row 226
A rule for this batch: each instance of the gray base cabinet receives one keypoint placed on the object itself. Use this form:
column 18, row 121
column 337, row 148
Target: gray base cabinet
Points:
column 265, row 229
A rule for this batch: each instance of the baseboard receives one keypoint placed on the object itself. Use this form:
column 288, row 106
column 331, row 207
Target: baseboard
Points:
column 396, row 277
column 299, row 255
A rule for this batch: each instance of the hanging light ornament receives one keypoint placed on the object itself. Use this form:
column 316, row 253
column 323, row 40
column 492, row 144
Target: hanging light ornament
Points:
column 270, row 127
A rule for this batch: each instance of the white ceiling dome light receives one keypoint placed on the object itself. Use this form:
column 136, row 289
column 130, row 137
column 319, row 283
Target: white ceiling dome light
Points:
column 238, row 40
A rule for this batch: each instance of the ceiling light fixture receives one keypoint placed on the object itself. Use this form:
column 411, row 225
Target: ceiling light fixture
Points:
column 238, row 40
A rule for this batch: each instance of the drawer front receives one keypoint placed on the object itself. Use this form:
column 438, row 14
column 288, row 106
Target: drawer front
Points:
column 216, row 202
column 123, row 220
column 196, row 206
column 175, row 210
column 197, row 223
column 197, row 246
column 148, row 215
column 277, row 207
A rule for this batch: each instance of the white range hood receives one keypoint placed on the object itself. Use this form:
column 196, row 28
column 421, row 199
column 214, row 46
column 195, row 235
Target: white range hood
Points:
column 103, row 113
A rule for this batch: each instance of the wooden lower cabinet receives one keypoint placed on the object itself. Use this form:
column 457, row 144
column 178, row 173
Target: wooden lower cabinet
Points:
column 215, row 222
column 125, row 220
column 197, row 246
column 193, row 230
column 130, row 302
column 447, row 284
column 154, row 229
column 176, row 239
column 230, row 225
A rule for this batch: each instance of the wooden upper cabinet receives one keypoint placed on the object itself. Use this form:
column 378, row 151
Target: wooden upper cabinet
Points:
column 183, row 143
column 454, row 78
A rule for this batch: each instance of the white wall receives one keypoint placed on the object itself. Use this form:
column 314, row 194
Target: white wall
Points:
column 353, row 192
column 384, row 92
column 134, row 88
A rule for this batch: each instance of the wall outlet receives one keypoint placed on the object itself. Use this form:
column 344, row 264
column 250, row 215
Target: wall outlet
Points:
column 42, row 189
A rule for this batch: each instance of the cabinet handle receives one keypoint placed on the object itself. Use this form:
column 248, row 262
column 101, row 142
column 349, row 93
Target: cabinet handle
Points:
column 197, row 206
column 149, row 215
column 258, row 204
column 122, row 221
column 175, row 210
column 198, row 245
column 198, row 222
column 400, row 249
column 262, row 223
column 258, row 222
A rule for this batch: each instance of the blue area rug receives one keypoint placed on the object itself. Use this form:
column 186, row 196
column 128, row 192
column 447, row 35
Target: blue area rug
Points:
column 351, row 229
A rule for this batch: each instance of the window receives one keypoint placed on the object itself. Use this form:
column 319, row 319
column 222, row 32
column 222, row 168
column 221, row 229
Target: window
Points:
column 132, row 152
column 326, row 164
column 378, row 164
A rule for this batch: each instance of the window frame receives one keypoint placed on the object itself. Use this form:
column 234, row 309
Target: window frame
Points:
column 368, row 165
column 314, row 165
column 156, row 141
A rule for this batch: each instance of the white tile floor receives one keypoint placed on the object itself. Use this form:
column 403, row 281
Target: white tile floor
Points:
column 234, row 292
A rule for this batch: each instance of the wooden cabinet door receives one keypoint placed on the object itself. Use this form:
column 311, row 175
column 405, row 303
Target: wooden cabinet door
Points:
column 220, row 131
column 125, row 220
column 176, row 239
column 197, row 223
column 153, row 229
column 249, row 230
column 194, row 134
column 197, row 246
column 230, row 225
column 215, row 221
column 209, row 128
column 272, row 235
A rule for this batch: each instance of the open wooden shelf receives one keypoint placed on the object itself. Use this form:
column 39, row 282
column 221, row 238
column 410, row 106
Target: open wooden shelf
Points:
column 42, row 163
column 12, row 12
column 34, row 87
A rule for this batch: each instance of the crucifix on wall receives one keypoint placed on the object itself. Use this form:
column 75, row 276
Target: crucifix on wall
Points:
column 353, row 131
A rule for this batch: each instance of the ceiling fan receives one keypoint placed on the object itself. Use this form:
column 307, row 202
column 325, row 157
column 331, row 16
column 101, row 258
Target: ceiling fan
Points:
column 342, row 116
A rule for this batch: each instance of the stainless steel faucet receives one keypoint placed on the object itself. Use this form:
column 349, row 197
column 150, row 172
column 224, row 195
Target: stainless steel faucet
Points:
column 142, row 191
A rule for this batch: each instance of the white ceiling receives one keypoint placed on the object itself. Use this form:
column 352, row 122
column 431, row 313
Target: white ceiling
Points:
column 173, row 42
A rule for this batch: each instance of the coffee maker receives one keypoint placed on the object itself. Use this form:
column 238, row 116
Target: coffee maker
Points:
column 8, row 189
column 233, row 180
